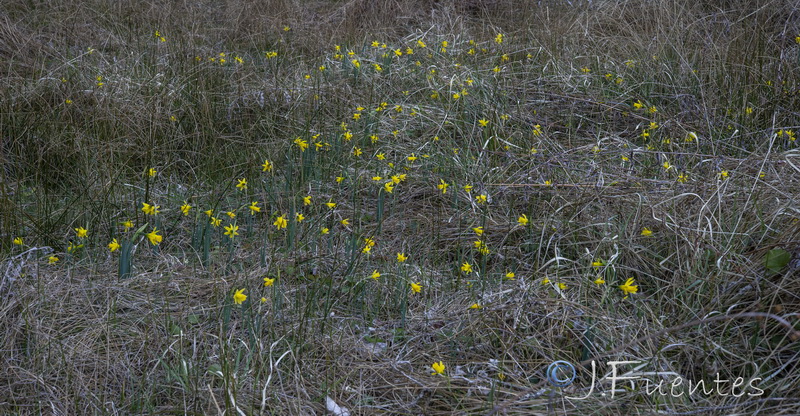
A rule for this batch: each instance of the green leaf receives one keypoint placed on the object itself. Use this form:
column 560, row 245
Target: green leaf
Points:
column 776, row 259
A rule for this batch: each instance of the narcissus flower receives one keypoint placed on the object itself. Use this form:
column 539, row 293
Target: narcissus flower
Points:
column 475, row 306
column 345, row 222
column 307, row 200
column 598, row 263
column 483, row 122
column 599, row 281
column 267, row 166
column 416, row 287
column 299, row 217
column 438, row 368
column 254, row 208
column 478, row 230
column 401, row 257
column 18, row 241
column 481, row 199
column 375, row 275
column 510, row 275
column 52, row 260
column 230, row 231
column 185, row 208
column 150, row 209
column 231, row 214
column 268, row 282
column 216, row 221
column 242, row 185
column 629, row 287
column 442, row 186
column 646, row 232
column 325, row 230
column 81, row 232
column 113, row 245
column 330, row 204
column 522, row 220
column 466, row 268
column 239, row 297
column 388, row 187
column 127, row 225
column 152, row 172
column 280, row 222
column 154, row 238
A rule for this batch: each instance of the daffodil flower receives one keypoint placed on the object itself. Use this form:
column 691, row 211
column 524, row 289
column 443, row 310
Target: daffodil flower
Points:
column 239, row 297
column 438, row 368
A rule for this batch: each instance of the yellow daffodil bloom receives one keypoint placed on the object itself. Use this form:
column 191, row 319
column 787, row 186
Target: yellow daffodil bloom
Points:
column 466, row 268
column 438, row 368
column 416, row 287
column 242, row 185
column 268, row 282
column 113, row 245
column 254, row 208
column 18, row 241
column 81, row 232
column 267, row 166
column 646, row 232
column 401, row 257
column 154, row 238
column 280, row 222
column 522, row 220
column 629, row 287
column 230, row 231
column 239, row 297
column 442, row 186
column 375, row 275
column 185, row 208
column 478, row 230
column 52, row 260
column 307, row 200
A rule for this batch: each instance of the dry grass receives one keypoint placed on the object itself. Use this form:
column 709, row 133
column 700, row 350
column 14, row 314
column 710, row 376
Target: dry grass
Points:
column 169, row 339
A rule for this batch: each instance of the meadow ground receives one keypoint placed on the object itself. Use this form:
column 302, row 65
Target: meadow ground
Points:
column 396, row 207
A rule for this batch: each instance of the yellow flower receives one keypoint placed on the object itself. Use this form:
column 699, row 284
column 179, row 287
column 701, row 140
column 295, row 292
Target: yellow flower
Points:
column 599, row 281
column 154, row 237
column 416, row 287
column 562, row 286
column 357, row 152
column 388, row 187
column 330, row 204
column 150, row 209
column 345, row 222
column 152, row 172
column 666, row 165
column 442, row 186
column 302, row 144
column 401, row 257
column 510, row 275
column 307, row 200
column 254, row 208
column 113, row 245
column 421, row 44
column 230, row 231
column 438, row 368
column 268, row 282
column 598, row 263
column 263, row 300
column 629, row 287
column 481, row 199
column 468, row 188
column 411, row 158
column 466, row 268
column 475, row 306
column 375, row 275
column 299, row 217
column 239, row 297
column 723, row 175
column 483, row 122
column 478, row 230
column 231, row 214
column 683, row 177
column 646, row 232
column 185, row 208
column 267, row 166
column 52, row 260
column 209, row 212
column 280, row 222
column 325, row 230
column 18, row 241
column 499, row 38
column 339, row 179
column 381, row 156
column 242, row 185
column 215, row 221
column 356, row 63
column 81, row 232
column 522, row 220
